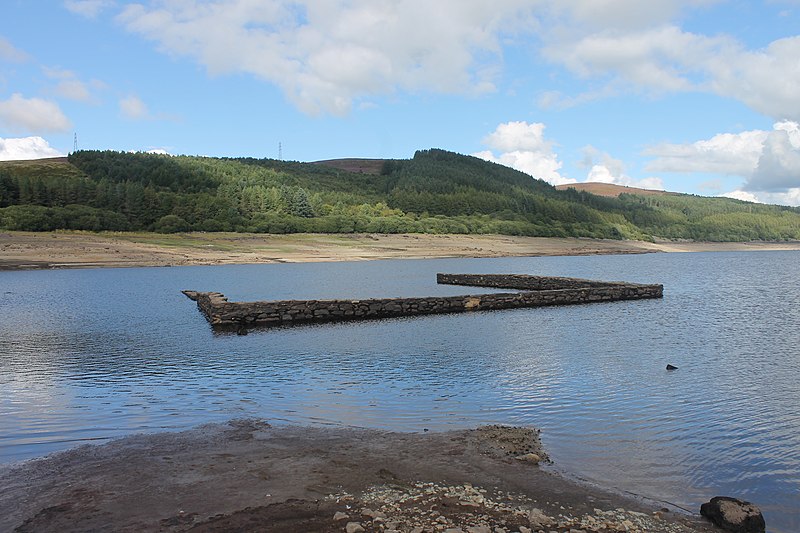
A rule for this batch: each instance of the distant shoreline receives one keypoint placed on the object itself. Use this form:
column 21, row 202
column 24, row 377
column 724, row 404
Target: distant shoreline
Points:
column 54, row 250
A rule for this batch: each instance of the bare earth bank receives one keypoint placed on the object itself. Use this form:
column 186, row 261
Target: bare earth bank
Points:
column 249, row 476
column 23, row 250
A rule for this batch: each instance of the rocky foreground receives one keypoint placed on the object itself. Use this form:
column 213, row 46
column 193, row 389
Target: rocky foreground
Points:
column 249, row 476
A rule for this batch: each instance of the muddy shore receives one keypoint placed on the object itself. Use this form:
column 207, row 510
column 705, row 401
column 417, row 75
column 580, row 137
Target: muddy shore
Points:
column 248, row 476
column 25, row 250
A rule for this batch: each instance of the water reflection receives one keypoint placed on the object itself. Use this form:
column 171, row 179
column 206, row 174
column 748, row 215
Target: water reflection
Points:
column 94, row 354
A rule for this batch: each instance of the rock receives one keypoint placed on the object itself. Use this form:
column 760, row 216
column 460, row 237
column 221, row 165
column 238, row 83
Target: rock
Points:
column 369, row 513
column 523, row 529
column 734, row 515
column 529, row 458
column 670, row 367
column 340, row 516
column 539, row 520
column 354, row 527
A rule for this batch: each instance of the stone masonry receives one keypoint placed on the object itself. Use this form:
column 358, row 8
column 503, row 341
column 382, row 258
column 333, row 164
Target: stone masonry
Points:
column 531, row 291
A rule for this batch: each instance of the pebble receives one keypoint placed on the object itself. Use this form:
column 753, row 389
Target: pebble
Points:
column 340, row 516
column 427, row 508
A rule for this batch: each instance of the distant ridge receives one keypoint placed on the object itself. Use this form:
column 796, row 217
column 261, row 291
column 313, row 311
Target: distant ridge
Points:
column 435, row 191
column 356, row 165
column 58, row 159
column 611, row 190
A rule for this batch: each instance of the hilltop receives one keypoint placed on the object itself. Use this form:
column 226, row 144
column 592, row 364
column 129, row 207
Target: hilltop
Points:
column 612, row 190
column 433, row 192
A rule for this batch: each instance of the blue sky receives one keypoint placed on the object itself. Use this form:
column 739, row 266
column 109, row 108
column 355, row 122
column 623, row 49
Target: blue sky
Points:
column 698, row 96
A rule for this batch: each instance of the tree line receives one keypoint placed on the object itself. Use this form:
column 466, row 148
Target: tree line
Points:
column 433, row 192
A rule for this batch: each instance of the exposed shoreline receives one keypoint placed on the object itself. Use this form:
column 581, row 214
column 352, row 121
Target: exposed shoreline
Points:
column 248, row 475
column 26, row 250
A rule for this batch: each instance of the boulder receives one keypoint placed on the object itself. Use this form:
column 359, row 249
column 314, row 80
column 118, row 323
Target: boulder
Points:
column 734, row 515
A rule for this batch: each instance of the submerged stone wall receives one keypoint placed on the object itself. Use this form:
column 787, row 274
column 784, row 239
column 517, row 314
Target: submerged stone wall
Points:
column 554, row 291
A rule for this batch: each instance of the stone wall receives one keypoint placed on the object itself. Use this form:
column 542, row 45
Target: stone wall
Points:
column 554, row 291
column 523, row 282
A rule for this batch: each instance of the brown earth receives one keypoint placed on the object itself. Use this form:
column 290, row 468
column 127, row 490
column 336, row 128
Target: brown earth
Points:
column 360, row 166
column 249, row 476
column 609, row 189
column 24, row 250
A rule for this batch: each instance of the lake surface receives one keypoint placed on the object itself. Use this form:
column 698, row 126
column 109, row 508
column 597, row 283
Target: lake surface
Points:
column 87, row 355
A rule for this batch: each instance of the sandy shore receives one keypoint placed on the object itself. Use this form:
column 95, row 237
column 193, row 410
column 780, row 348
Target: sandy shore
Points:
column 23, row 250
column 249, row 476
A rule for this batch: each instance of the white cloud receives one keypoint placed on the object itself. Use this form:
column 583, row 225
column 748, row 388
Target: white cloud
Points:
column 522, row 146
column 605, row 169
column 741, row 195
column 328, row 55
column 789, row 197
column 134, row 108
column 87, row 8
column 765, row 79
column 70, row 87
column 9, row 53
column 560, row 101
column 20, row 114
column 26, row 148
column 158, row 151
column 769, row 161
column 726, row 153
column 779, row 165
column 646, row 51
column 655, row 58
column 622, row 14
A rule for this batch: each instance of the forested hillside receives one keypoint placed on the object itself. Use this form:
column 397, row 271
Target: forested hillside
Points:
column 435, row 191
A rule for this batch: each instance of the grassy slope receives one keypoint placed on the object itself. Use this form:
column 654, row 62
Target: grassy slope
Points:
column 447, row 185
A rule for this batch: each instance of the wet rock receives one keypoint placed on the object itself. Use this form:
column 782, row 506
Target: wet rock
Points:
column 734, row 515
column 670, row 367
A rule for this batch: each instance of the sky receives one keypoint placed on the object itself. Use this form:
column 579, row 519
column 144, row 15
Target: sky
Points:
column 695, row 96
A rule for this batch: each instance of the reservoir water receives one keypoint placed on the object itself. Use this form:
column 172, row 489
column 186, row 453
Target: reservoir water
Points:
column 89, row 355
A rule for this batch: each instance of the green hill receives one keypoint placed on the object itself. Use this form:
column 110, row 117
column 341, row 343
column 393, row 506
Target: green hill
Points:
column 434, row 192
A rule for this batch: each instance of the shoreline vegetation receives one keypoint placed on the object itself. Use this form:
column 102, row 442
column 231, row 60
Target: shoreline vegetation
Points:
column 246, row 475
column 76, row 249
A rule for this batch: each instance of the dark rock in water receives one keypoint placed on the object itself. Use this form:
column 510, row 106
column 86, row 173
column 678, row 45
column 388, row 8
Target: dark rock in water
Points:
column 734, row 515
column 241, row 330
column 670, row 367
